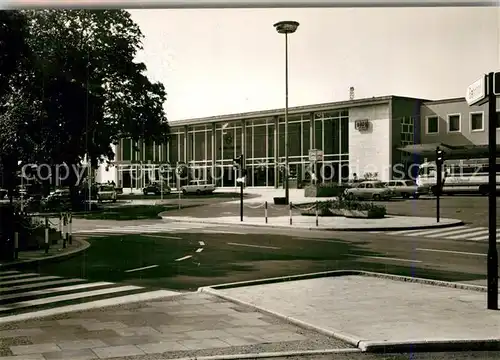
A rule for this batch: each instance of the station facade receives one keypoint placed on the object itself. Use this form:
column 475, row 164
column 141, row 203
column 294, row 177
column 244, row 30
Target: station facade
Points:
column 378, row 136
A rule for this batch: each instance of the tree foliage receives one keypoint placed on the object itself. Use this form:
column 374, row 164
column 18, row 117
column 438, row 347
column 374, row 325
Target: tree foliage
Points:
column 76, row 86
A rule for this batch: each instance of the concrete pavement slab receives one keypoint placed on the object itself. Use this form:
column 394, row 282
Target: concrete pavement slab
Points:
column 379, row 312
column 188, row 325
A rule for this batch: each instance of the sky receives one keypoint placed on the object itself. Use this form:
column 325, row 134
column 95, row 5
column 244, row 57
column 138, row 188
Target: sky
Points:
column 216, row 62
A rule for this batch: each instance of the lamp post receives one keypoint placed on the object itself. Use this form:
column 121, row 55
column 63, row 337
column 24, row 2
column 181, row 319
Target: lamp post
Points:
column 286, row 27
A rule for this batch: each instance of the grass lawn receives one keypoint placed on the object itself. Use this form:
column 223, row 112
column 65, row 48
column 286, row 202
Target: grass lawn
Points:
column 221, row 195
column 130, row 212
column 224, row 259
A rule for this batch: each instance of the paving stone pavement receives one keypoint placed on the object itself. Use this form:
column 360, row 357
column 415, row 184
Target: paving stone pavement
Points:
column 193, row 324
column 372, row 309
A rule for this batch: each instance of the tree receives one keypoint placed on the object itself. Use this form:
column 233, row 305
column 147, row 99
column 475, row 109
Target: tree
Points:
column 83, row 89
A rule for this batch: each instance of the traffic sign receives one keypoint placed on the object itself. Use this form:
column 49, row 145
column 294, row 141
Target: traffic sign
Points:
column 476, row 92
column 496, row 83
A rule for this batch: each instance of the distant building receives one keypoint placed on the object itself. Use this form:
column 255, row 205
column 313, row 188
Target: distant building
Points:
column 361, row 136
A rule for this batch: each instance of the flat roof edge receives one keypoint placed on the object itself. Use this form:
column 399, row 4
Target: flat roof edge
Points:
column 291, row 110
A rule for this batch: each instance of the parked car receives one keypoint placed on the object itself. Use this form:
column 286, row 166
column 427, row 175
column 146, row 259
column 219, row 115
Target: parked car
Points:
column 156, row 188
column 198, row 187
column 106, row 193
column 407, row 188
column 369, row 190
column 56, row 199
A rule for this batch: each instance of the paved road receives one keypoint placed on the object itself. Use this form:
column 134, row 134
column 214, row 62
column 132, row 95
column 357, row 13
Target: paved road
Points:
column 471, row 209
column 230, row 257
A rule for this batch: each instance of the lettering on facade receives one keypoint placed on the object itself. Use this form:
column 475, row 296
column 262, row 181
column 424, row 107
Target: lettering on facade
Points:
column 362, row 125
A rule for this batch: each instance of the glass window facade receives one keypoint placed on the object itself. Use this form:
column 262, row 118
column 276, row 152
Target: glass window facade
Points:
column 209, row 149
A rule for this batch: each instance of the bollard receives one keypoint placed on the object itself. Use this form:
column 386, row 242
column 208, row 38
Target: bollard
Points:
column 70, row 225
column 265, row 211
column 316, row 213
column 65, row 237
column 290, row 210
column 16, row 245
column 46, row 235
column 61, row 224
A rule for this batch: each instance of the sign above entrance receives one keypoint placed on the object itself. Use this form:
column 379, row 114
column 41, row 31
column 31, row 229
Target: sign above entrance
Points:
column 362, row 125
column 315, row 155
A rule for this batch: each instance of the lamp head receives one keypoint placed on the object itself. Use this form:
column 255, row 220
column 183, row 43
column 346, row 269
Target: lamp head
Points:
column 286, row 27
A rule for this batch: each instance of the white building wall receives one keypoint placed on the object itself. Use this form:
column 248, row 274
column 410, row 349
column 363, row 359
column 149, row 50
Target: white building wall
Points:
column 110, row 174
column 370, row 151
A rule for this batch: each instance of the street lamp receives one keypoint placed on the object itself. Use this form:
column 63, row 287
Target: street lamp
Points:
column 286, row 27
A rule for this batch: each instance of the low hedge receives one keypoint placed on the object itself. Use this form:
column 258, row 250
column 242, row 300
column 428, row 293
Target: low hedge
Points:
column 324, row 190
column 348, row 208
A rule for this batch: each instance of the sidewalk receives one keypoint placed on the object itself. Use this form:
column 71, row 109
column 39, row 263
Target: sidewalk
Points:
column 334, row 223
column 192, row 324
column 55, row 251
column 380, row 314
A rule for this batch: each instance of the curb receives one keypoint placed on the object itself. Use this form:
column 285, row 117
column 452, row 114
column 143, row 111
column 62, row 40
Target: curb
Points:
column 429, row 346
column 336, row 273
column 348, row 338
column 266, row 355
column 366, row 345
column 84, row 246
column 389, row 228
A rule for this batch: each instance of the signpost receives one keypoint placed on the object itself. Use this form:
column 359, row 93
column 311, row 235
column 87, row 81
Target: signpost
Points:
column 476, row 92
column 481, row 91
column 439, row 179
column 315, row 155
column 238, row 164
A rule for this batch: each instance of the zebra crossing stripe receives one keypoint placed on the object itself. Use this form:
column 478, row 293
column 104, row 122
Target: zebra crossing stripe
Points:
column 38, row 285
column 2, row 273
column 438, row 231
column 53, row 299
column 485, row 237
column 404, row 232
column 8, row 277
column 463, row 236
column 120, row 300
column 54, row 290
column 31, row 279
column 468, row 231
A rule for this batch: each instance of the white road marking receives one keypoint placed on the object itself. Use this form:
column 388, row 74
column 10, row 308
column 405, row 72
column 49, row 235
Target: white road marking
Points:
column 440, row 231
column 54, row 290
column 404, row 232
column 37, row 285
column 49, row 300
column 184, row 258
column 222, row 232
column 322, row 240
column 2, row 273
column 465, row 230
column 142, row 268
column 17, row 276
column 201, row 243
column 163, row 237
column 255, row 246
column 386, row 258
column 464, row 236
column 89, row 305
column 33, row 279
column 451, row 252
column 485, row 237
column 199, row 250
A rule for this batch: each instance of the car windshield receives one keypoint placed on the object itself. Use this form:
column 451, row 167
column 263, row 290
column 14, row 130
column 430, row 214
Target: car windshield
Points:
column 379, row 185
column 106, row 188
column 409, row 183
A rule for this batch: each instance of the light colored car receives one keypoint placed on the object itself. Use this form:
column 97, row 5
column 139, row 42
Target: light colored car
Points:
column 407, row 188
column 369, row 190
column 198, row 187
column 106, row 193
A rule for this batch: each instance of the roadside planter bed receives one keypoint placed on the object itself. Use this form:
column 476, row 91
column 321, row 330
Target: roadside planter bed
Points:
column 346, row 208
column 324, row 190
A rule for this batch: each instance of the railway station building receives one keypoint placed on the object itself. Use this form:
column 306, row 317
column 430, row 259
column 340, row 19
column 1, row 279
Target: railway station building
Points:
column 380, row 136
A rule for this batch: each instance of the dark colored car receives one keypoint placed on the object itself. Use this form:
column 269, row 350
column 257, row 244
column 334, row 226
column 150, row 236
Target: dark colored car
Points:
column 156, row 188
